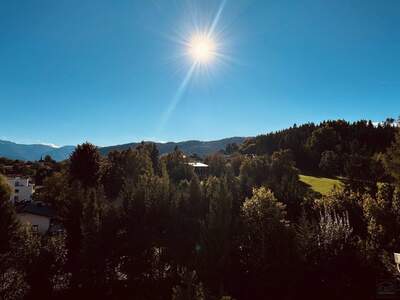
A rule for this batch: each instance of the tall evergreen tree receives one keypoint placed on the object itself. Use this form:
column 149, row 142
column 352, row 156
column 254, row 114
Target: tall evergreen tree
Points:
column 267, row 247
column 85, row 165
column 216, row 236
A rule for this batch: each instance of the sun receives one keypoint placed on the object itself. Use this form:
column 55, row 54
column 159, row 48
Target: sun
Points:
column 202, row 48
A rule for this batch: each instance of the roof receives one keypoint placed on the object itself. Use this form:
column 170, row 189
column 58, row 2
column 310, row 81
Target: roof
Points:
column 198, row 165
column 40, row 210
column 18, row 177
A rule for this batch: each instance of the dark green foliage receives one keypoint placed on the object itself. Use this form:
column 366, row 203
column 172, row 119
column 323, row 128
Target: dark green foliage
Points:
column 143, row 227
column 49, row 159
column 267, row 248
column 145, row 219
column 216, row 236
column 85, row 165
column 127, row 166
column 30, row 266
column 363, row 173
column 323, row 139
column 38, row 170
column 43, row 259
column 200, row 148
column 216, row 164
column 231, row 148
column 177, row 166
column 333, row 262
column 12, row 281
column 279, row 174
column 8, row 222
column 329, row 163
column 392, row 159
column 153, row 154
column 189, row 288
column 309, row 141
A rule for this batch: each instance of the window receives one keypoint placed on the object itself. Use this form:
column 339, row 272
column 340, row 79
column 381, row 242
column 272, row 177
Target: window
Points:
column 35, row 228
column 16, row 191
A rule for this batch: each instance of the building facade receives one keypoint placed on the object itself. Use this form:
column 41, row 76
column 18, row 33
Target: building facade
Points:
column 40, row 224
column 21, row 190
column 36, row 215
column 200, row 169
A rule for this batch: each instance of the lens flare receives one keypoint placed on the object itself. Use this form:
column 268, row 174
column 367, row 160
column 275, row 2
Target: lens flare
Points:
column 202, row 48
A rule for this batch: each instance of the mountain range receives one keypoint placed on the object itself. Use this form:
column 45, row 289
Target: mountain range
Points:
column 36, row 151
column 33, row 152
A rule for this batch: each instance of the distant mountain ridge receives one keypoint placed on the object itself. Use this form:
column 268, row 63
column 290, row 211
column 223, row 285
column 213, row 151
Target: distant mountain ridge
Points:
column 32, row 152
column 200, row 148
column 36, row 151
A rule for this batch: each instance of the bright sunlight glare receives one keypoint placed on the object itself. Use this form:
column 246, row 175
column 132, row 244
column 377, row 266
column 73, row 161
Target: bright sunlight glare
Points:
column 202, row 41
column 202, row 48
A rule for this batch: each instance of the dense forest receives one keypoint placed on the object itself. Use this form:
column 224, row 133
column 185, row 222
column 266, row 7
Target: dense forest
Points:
column 329, row 147
column 138, row 225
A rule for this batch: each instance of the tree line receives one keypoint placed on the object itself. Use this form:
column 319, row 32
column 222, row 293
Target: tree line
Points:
column 140, row 226
column 330, row 148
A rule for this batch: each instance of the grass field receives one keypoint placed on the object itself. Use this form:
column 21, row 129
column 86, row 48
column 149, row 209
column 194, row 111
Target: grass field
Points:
column 321, row 185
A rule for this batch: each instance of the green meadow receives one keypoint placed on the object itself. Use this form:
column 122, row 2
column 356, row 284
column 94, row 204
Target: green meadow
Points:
column 321, row 185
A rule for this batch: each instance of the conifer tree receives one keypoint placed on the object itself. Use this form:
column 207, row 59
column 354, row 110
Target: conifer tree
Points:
column 216, row 236
column 267, row 246
column 85, row 165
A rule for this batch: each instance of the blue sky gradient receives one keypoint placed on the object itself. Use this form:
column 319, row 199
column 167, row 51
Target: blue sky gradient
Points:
column 106, row 71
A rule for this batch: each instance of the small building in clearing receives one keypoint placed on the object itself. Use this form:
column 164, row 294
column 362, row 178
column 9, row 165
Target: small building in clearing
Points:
column 38, row 216
column 200, row 169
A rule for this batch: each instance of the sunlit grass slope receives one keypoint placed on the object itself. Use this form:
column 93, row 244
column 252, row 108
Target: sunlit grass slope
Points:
column 321, row 185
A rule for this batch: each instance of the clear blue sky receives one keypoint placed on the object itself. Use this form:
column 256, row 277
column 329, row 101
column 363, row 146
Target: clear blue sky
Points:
column 106, row 71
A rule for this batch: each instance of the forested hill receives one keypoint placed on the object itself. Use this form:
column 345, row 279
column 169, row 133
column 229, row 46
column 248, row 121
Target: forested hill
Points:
column 200, row 148
column 329, row 147
column 324, row 147
column 250, row 227
column 35, row 152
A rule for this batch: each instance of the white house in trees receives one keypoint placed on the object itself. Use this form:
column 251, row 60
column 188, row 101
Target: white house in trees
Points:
column 199, row 168
column 21, row 189
column 38, row 216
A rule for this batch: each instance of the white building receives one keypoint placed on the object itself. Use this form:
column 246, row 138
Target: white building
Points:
column 21, row 189
column 197, row 165
column 199, row 168
column 38, row 216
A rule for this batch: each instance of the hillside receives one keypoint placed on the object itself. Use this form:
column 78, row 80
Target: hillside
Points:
column 200, row 148
column 329, row 147
column 61, row 153
column 32, row 152
column 321, row 185
column 36, row 151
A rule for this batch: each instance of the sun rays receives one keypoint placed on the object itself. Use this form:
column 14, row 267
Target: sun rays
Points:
column 201, row 51
column 202, row 48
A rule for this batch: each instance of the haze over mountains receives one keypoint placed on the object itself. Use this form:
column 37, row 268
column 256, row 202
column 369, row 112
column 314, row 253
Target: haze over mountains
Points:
column 200, row 148
column 36, row 151
column 33, row 152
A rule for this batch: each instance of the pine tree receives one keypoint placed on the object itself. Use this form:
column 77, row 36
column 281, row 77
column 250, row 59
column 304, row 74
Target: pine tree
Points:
column 196, row 204
column 216, row 236
column 85, row 165
column 267, row 246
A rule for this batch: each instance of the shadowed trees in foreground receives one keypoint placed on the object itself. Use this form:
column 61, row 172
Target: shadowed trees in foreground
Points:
column 143, row 227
